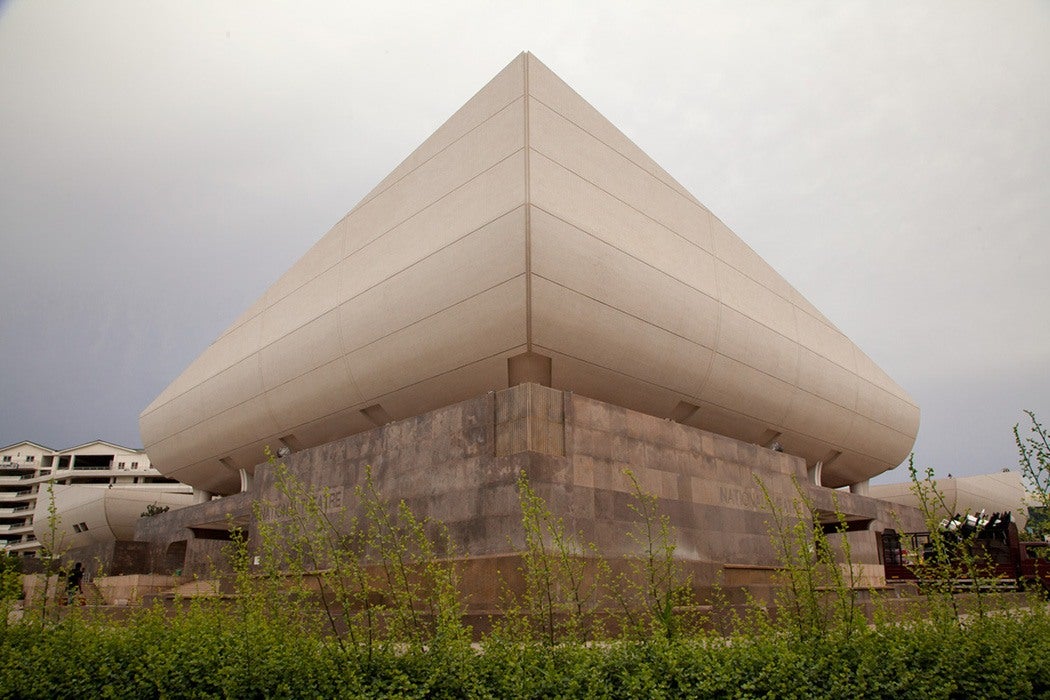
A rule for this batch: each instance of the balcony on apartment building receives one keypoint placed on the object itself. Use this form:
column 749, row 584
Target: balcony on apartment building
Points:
column 14, row 510
column 17, row 469
column 107, row 462
column 15, row 478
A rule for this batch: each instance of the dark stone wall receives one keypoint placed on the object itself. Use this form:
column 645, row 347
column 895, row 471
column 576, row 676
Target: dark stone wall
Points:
column 192, row 540
column 443, row 464
column 459, row 465
column 109, row 558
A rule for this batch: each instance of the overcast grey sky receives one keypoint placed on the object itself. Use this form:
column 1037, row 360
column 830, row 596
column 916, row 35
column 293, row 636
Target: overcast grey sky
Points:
column 162, row 163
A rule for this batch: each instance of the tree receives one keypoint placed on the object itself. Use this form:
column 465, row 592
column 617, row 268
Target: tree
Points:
column 1034, row 450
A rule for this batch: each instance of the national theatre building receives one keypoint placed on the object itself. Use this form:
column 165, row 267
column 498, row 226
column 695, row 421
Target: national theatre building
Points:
column 528, row 291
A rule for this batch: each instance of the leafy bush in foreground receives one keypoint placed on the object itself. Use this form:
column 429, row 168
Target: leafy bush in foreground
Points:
column 208, row 651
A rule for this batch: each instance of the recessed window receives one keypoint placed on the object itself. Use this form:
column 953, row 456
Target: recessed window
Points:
column 30, row 458
column 120, row 465
column 291, row 442
column 7, row 458
column 377, row 414
column 134, row 465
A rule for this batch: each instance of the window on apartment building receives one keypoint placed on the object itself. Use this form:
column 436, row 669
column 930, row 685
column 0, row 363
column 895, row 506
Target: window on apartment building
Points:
column 7, row 458
column 120, row 465
column 30, row 458
column 134, row 465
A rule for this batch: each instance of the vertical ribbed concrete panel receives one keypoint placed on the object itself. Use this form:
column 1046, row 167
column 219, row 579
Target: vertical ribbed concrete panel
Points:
column 528, row 224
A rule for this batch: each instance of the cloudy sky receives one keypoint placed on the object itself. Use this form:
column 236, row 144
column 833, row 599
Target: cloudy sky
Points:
column 162, row 163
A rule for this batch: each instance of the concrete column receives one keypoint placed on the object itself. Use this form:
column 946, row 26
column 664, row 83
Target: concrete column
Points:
column 814, row 473
column 201, row 496
column 529, row 368
column 860, row 488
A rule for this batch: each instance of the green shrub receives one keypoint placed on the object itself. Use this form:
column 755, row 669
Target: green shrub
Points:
column 277, row 637
column 206, row 651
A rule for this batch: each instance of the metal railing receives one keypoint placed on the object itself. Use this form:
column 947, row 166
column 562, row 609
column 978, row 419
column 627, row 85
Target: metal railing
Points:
column 11, row 478
column 15, row 466
column 12, row 511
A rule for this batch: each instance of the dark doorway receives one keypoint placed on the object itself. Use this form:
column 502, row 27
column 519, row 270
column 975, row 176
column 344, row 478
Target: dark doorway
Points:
column 175, row 557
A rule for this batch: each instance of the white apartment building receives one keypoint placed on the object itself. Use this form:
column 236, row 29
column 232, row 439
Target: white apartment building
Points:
column 27, row 469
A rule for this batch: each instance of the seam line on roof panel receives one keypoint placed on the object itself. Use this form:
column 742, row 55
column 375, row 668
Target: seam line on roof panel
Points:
column 822, row 322
column 355, row 296
column 682, row 194
column 342, row 355
column 718, row 321
column 439, row 311
column 713, row 350
column 345, row 255
column 266, row 390
column 721, row 302
column 370, row 242
column 716, row 257
column 856, row 397
column 635, row 209
column 625, row 312
column 257, row 358
column 429, row 205
column 345, row 235
column 628, row 254
column 798, row 371
column 358, row 209
column 528, row 216
column 660, row 175
column 421, row 319
column 499, row 353
column 403, row 270
column 372, row 195
column 670, row 230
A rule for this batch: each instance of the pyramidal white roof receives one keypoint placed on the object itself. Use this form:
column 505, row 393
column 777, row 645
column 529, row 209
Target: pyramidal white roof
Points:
column 529, row 239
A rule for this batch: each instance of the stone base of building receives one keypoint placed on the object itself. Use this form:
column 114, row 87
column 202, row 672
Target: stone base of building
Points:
column 586, row 459
column 115, row 558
